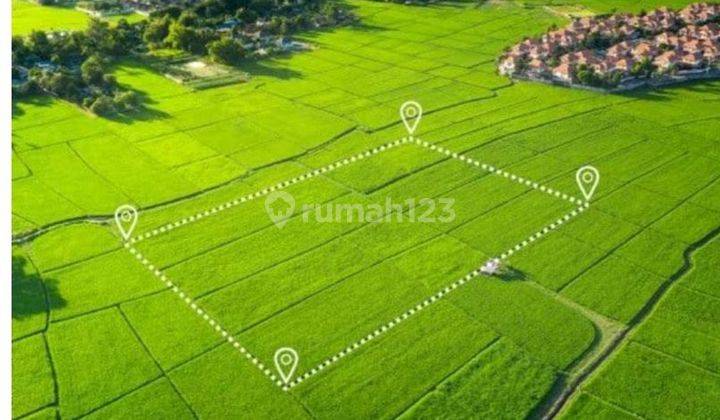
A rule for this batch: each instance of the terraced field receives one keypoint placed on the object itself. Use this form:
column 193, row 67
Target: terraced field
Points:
column 613, row 314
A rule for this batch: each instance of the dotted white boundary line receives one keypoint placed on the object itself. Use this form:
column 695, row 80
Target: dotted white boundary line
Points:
column 265, row 191
column 496, row 171
column 343, row 162
column 214, row 324
column 430, row 300
column 385, row 327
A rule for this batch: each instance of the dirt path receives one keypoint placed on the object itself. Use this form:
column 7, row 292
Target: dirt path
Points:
column 559, row 399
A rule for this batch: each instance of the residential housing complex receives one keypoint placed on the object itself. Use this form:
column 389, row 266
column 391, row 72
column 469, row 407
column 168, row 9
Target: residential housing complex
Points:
column 619, row 49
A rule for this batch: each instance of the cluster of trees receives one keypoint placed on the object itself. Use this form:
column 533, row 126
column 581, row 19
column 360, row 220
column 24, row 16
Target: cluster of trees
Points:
column 587, row 75
column 66, row 48
column 194, row 29
column 644, row 68
column 73, row 65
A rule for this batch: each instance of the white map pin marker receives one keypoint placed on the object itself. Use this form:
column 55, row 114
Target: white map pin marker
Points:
column 411, row 113
column 587, row 178
column 126, row 218
column 286, row 361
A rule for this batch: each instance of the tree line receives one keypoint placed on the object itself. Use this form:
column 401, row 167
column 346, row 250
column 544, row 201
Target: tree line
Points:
column 75, row 65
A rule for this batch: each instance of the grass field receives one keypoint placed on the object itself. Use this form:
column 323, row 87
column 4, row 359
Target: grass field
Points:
column 27, row 16
column 634, row 276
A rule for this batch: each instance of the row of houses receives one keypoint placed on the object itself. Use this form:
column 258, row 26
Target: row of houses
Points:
column 667, row 39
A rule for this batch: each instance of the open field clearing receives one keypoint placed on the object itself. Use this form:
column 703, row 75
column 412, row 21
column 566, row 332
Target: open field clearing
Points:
column 27, row 16
column 625, row 292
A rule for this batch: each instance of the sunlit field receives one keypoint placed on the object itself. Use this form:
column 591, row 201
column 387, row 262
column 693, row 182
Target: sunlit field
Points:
column 96, row 334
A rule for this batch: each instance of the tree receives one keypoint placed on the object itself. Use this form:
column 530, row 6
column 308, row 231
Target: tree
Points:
column 103, row 105
column 597, row 40
column 226, row 51
column 20, row 53
column 37, row 43
column 180, row 36
column 126, row 101
column 643, row 68
column 211, row 9
column 92, row 70
column 99, row 38
column 156, row 31
column 60, row 84
column 71, row 46
column 109, row 80
column 125, row 37
column 189, row 39
column 188, row 18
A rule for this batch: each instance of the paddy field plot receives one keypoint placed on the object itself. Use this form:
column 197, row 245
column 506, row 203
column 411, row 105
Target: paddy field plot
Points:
column 265, row 287
column 85, row 308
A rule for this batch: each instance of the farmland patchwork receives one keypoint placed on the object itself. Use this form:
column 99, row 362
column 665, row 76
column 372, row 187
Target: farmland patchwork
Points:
column 589, row 309
column 311, row 337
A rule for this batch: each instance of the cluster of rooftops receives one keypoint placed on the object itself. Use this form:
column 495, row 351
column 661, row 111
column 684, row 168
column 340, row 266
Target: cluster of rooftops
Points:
column 666, row 41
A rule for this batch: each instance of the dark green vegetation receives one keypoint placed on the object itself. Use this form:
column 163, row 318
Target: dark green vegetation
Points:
column 95, row 333
column 72, row 65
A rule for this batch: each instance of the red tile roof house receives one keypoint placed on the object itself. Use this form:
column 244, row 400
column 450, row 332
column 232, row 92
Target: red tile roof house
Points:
column 541, row 50
column 666, row 60
column 626, row 31
column 579, row 57
column 619, row 50
column 508, row 65
column 563, row 72
column 711, row 53
column 644, row 50
column 583, row 23
column 624, row 66
column 667, row 39
column 692, row 59
column 537, row 68
column 695, row 46
column 699, row 12
column 709, row 31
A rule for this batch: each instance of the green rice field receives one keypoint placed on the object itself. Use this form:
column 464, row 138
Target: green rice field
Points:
column 613, row 314
column 27, row 16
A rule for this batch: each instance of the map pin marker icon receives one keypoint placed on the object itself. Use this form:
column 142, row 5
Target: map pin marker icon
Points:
column 286, row 361
column 126, row 218
column 587, row 178
column 411, row 113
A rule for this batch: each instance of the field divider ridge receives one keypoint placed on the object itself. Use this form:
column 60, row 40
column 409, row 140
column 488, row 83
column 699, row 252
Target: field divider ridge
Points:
column 434, row 298
column 496, row 171
column 214, row 324
column 267, row 190
column 232, row 340
column 343, row 162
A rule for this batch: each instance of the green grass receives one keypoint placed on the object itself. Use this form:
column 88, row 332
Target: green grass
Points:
column 32, row 380
column 157, row 399
column 590, row 407
column 121, row 346
column 80, row 289
column 645, row 381
column 28, row 16
column 671, row 352
column 82, row 364
column 485, row 387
